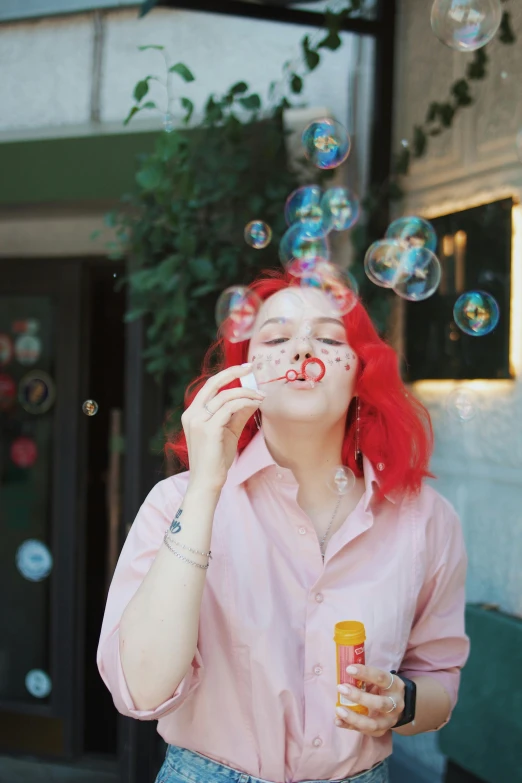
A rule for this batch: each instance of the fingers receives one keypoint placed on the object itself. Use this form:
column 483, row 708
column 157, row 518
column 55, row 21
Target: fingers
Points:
column 223, row 378
column 227, row 395
column 229, row 409
column 378, row 702
column 371, row 675
column 353, row 720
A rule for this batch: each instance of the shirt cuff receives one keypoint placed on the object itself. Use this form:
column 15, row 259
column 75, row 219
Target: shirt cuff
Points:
column 111, row 662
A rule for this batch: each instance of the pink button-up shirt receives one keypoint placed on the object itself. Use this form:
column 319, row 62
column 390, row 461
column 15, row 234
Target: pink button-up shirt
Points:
column 260, row 694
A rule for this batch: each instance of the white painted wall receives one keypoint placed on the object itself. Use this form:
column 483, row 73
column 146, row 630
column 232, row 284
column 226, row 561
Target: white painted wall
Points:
column 478, row 464
column 47, row 66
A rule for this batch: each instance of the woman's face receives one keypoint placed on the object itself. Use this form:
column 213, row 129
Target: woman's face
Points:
column 292, row 326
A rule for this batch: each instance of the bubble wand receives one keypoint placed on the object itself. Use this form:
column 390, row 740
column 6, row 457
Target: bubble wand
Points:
column 293, row 375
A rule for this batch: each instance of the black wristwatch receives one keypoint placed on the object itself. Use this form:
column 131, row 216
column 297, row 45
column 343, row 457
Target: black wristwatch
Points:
column 410, row 698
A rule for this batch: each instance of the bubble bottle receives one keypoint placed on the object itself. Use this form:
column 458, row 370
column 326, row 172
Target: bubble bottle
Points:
column 349, row 638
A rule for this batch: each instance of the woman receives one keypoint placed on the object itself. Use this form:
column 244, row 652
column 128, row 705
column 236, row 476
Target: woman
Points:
column 238, row 662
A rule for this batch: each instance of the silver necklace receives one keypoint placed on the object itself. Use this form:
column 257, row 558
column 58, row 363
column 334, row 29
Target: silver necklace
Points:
column 336, row 509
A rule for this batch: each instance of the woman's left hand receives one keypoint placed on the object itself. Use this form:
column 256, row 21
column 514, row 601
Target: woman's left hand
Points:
column 379, row 719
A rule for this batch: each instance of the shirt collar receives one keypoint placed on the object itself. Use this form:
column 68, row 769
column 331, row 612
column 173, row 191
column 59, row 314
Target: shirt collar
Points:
column 255, row 457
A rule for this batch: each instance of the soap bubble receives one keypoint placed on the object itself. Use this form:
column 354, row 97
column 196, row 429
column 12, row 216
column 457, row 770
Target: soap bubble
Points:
column 168, row 123
column 342, row 480
column 258, row 234
column 418, row 276
column 341, row 209
column 382, row 262
column 462, row 404
column 304, row 204
column 338, row 284
column 466, row 25
column 326, row 143
column 412, row 232
column 476, row 313
column 303, row 242
column 90, row 407
column 236, row 312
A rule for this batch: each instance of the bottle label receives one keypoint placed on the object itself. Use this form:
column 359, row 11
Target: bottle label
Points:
column 348, row 654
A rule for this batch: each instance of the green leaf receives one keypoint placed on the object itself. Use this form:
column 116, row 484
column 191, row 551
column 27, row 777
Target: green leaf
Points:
column 332, row 42
column 140, row 90
column 201, row 268
column 147, row 6
column 251, row 102
column 420, row 142
column 296, row 83
column 239, row 88
column 130, row 115
column 506, row 34
column 189, row 108
column 150, row 178
column 151, row 46
column 312, row 59
column 182, row 71
column 95, row 234
column 461, row 93
column 149, row 105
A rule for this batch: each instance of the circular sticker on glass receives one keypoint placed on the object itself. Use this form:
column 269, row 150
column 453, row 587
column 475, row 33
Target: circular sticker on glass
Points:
column 24, row 452
column 36, row 392
column 6, row 349
column 38, row 683
column 28, row 349
column 7, row 391
column 33, row 560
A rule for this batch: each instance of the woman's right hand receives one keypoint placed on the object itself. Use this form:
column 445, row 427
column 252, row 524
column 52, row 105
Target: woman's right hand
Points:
column 213, row 424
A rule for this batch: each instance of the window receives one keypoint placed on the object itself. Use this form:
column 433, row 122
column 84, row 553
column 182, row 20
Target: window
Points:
column 474, row 248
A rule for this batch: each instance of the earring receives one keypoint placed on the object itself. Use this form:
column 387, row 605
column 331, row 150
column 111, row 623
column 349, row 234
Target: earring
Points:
column 358, row 453
column 257, row 419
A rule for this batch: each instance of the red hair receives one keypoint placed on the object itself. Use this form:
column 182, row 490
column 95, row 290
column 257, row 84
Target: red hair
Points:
column 394, row 427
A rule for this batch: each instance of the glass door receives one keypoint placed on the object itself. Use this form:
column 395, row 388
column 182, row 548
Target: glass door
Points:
column 39, row 386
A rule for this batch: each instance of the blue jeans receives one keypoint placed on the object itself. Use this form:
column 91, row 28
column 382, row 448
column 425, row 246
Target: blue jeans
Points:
column 186, row 766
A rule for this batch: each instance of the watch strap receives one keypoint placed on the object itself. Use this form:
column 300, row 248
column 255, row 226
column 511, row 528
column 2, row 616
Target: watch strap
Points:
column 410, row 698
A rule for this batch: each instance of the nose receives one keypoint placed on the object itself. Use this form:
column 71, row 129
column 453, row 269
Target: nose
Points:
column 303, row 350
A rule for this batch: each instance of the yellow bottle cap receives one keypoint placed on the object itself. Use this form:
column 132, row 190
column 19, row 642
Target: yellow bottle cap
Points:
column 349, row 632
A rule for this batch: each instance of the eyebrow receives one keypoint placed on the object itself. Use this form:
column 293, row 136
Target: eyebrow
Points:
column 321, row 320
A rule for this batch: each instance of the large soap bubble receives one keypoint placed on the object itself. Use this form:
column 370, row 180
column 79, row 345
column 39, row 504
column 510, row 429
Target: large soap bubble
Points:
column 462, row 404
column 476, row 313
column 304, row 204
column 236, row 312
column 466, row 25
column 418, row 276
column 412, row 232
column 326, row 143
column 303, row 243
column 341, row 208
column 382, row 262
column 338, row 284
column 342, row 480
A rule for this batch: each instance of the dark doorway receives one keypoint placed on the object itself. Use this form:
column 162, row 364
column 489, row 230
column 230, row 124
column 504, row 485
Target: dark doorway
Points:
column 104, row 384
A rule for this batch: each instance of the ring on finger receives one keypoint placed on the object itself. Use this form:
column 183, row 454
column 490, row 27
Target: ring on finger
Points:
column 391, row 683
column 394, row 707
column 210, row 413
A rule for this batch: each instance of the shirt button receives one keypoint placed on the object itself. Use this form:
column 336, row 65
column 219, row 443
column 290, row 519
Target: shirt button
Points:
column 302, row 530
column 318, row 670
column 319, row 598
column 317, row 742
column 279, row 475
